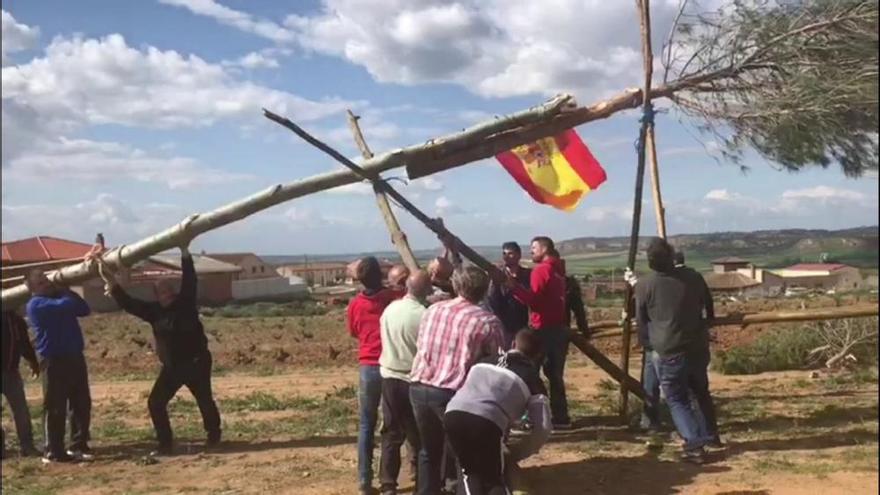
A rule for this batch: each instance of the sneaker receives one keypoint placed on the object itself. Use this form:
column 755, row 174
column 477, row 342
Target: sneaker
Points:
column 50, row 458
column 82, row 454
column 162, row 450
column 565, row 426
column 716, row 444
column 31, row 451
column 696, row 456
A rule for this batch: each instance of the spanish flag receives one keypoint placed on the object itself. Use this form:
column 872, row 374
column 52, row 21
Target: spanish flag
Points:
column 557, row 171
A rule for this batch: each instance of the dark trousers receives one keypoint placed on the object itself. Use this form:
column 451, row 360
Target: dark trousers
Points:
column 13, row 390
column 66, row 388
column 699, row 384
column 398, row 425
column 555, row 340
column 477, row 443
column 429, row 407
column 196, row 376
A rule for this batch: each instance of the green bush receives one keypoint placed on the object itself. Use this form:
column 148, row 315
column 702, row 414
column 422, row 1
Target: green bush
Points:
column 268, row 309
column 786, row 349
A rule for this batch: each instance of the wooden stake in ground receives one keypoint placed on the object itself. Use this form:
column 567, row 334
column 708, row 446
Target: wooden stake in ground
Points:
column 647, row 121
column 398, row 238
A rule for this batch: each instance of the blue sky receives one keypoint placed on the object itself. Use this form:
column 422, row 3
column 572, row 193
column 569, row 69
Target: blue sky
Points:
column 124, row 117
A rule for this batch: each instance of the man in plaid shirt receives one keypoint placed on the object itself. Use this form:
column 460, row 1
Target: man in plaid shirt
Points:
column 453, row 336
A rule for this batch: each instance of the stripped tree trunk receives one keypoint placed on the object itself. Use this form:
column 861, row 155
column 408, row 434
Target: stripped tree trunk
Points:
column 398, row 238
column 647, row 126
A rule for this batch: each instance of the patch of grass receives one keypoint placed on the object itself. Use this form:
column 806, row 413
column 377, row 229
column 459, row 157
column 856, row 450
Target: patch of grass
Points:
column 785, row 349
column 304, row 307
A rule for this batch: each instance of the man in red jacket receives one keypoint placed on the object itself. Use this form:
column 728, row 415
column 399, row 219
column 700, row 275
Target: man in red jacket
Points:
column 546, row 301
column 363, row 316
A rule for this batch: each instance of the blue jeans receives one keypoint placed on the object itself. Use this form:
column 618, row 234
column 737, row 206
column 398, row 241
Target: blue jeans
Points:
column 676, row 372
column 651, row 383
column 429, row 408
column 369, row 395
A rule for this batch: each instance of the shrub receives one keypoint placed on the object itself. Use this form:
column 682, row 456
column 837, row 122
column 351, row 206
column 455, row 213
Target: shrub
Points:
column 785, row 349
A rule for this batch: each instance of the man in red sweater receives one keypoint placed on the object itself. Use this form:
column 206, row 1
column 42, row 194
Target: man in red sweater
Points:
column 546, row 301
column 363, row 316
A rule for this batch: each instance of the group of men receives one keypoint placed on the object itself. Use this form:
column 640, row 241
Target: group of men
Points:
column 451, row 356
column 53, row 312
column 454, row 358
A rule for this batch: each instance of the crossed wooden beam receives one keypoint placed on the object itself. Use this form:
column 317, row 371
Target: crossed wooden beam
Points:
column 383, row 190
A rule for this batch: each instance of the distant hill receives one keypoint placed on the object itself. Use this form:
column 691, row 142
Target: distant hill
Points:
column 767, row 248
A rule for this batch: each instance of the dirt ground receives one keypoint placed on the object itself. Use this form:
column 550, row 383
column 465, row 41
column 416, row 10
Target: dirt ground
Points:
column 787, row 434
column 286, row 388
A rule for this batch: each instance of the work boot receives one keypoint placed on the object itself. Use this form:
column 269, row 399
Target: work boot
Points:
column 82, row 454
column 50, row 458
column 694, row 456
column 716, row 444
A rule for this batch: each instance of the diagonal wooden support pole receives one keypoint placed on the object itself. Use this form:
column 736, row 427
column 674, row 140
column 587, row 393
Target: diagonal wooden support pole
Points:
column 436, row 226
column 431, row 223
column 398, row 238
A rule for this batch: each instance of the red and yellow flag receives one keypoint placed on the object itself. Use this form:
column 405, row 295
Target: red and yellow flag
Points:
column 557, row 171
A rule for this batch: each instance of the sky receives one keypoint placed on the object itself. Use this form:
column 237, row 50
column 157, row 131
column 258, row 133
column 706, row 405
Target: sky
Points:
column 125, row 117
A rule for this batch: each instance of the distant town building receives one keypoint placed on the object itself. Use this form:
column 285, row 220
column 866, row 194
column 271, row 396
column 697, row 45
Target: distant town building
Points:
column 252, row 266
column 319, row 273
column 728, row 264
column 824, row 276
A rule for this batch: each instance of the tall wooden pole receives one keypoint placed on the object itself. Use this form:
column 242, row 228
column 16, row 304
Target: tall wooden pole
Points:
column 659, row 210
column 398, row 238
column 647, row 122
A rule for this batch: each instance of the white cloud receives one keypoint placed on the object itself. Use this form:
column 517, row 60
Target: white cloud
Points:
column 357, row 189
column 609, row 213
column 492, row 47
column 16, row 36
column 428, row 184
column 235, row 18
column 105, row 81
column 255, row 60
column 445, row 206
column 823, row 193
column 119, row 221
column 718, row 195
column 81, row 160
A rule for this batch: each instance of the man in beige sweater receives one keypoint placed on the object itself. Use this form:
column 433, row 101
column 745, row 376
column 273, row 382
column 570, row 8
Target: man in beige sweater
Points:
column 399, row 326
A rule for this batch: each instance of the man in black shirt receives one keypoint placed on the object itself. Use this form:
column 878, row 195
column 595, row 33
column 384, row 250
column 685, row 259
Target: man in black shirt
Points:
column 182, row 349
column 513, row 314
column 16, row 345
column 574, row 306
column 669, row 303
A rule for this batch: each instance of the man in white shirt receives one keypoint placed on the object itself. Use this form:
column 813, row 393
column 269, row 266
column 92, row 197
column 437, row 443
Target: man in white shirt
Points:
column 399, row 326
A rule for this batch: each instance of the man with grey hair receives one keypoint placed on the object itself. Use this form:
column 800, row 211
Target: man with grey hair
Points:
column 399, row 326
column 453, row 336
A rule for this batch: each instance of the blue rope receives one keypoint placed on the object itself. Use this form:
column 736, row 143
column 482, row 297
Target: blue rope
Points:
column 647, row 117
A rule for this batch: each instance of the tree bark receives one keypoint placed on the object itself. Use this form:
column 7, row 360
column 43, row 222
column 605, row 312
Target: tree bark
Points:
column 398, row 238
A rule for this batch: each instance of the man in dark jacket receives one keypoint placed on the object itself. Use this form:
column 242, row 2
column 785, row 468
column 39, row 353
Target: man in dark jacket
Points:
column 574, row 306
column 702, row 355
column 53, row 312
column 669, row 304
column 514, row 315
column 17, row 345
column 182, row 349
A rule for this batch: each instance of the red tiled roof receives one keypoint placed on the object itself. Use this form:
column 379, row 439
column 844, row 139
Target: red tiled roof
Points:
column 816, row 267
column 42, row 248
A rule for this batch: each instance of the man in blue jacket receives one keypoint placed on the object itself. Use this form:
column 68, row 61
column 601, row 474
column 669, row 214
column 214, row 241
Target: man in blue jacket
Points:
column 53, row 312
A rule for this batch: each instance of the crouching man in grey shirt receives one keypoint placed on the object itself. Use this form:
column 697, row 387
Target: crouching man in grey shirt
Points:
column 478, row 416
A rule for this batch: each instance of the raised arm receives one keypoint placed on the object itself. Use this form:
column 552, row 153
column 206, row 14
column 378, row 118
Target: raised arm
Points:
column 189, row 280
column 69, row 301
column 130, row 305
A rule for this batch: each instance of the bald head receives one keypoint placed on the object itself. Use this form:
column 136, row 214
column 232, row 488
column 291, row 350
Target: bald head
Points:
column 440, row 269
column 418, row 284
column 397, row 276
